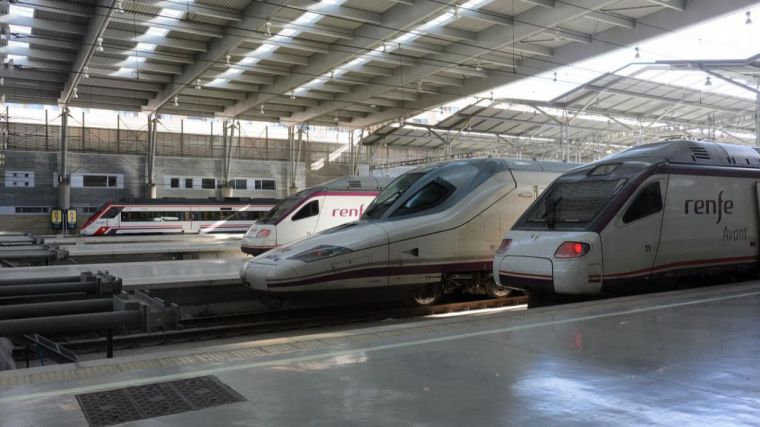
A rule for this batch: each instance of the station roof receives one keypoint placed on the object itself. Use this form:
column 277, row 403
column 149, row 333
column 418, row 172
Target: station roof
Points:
column 351, row 63
column 639, row 104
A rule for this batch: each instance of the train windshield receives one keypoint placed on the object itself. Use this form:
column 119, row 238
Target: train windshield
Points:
column 571, row 205
column 283, row 208
column 392, row 192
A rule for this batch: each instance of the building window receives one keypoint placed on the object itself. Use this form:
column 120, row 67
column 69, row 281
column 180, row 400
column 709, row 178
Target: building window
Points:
column 22, row 179
column 174, row 183
column 188, row 183
column 99, row 181
column 208, row 183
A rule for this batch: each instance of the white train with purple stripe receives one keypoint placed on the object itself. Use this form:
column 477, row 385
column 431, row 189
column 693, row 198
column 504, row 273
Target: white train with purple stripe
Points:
column 656, row 216
column 432, row 230
column 312, row 210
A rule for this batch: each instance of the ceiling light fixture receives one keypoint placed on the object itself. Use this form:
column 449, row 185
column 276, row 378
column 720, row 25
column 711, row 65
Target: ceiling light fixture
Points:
column 99, row 44
column 76, row 94
column 262, row 109
column 2, row 99
column 2, row 81
column 198, row 84
column 557, row 35
column 456, row 11
column 638, row 54
column 269, row 29
column 708, row 82
column 86, row 72
column 176, row 101
column 292, row 94
column 227, row 59
column 555, row 76
column 119, row 6
column 478, row 67
column 749, row 18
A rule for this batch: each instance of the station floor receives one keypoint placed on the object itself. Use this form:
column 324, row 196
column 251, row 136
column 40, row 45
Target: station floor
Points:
column 679, row 358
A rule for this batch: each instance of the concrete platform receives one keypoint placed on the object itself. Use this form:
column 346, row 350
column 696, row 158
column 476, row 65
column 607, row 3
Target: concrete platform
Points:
column 146, row 275
column 681, row 358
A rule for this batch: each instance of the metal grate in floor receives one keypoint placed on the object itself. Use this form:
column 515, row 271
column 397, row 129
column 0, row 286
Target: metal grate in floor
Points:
column 155, row 400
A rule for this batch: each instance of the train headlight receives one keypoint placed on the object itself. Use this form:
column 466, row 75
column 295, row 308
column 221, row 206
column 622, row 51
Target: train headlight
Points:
column 504, row 247
column 263, row 233
column 572, row 250
column 320, row 252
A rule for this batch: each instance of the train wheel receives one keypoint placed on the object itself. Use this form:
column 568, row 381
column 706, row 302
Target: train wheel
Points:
column 427, row 294
column 496, row 290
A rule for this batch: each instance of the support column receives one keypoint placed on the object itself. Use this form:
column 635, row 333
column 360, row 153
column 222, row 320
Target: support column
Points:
column 757, row 120
column 64, row 183
column 150, row 160
column 227, row 132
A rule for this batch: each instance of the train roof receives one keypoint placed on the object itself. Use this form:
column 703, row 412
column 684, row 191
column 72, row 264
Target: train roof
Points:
column 684, row 151
column 206, row 201
column 355, row 183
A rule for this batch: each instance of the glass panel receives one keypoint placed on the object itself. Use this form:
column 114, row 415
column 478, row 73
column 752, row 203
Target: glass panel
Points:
column 208, row 183
column 429, row 196
column 174, row 183
column 573, row 202
column 648, row 201
column 308, row 210
column 387, row 197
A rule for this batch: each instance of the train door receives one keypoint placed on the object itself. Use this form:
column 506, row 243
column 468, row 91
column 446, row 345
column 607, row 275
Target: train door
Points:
column 630, row 242
column 192, row 218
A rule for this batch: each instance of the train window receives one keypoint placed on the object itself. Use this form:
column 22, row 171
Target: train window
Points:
column 267, row 184
column 152, row 216
column 240, row 184
column 111, row 213
column 604, row 169
column 104, row 181
column 429, row 196
column 647, row 202
column 211, row 215
column 310, row 209
column 188, row 183
column 174, row 183
column 208, row 183
column 392, row 192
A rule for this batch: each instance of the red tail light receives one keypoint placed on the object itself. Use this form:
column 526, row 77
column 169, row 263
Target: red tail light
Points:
column 572, row 250
column 263, row 233
column 504, row 247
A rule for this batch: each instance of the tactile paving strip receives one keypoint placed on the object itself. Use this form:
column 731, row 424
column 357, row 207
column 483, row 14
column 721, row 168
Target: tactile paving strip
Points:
column 155, row 400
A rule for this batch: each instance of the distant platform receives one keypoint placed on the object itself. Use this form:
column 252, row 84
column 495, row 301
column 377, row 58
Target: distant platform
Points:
column 677, row 358
column 146, row 275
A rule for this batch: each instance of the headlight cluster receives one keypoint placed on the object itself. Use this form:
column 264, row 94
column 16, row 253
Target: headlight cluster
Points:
column 320, row 252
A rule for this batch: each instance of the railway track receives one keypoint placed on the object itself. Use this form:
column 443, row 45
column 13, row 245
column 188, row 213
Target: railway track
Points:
column 259, row 323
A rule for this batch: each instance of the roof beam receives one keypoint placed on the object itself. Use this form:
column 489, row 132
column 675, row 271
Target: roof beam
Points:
column 398, row 17
column 493, row 38
column 170, row 24
column 490, row 17
column 37, row 53
column 216, row 50
column 61, row 27
column 104, row 9
column 542, row 3
column 107, row 81
column 679, row 5
column 194, row 8
column 606, row 17
column 68, row 8
column 338, row 11
column 450, row 33
column 191, row 45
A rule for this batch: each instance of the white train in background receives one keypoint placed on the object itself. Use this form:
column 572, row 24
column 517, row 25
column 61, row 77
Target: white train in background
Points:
column 432, row 230
column 171, row 216
column 312, row 210
column 656, row 216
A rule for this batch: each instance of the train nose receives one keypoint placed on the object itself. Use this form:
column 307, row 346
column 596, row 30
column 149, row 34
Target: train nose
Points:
column 259, row 276
column 259, row 239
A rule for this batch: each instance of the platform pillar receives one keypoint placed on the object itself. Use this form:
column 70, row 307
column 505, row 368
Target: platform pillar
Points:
column 64, row 183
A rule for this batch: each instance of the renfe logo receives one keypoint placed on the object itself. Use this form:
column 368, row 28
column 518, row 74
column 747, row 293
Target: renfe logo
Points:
column 348, row 212
column 710, row 207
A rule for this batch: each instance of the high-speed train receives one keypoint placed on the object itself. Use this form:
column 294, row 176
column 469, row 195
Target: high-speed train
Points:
column 312, row 210
column 167, row 216
column 432, row 230
column 660, row 215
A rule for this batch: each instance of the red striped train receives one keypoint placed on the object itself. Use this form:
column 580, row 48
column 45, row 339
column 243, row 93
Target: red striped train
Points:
column 169, row 216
